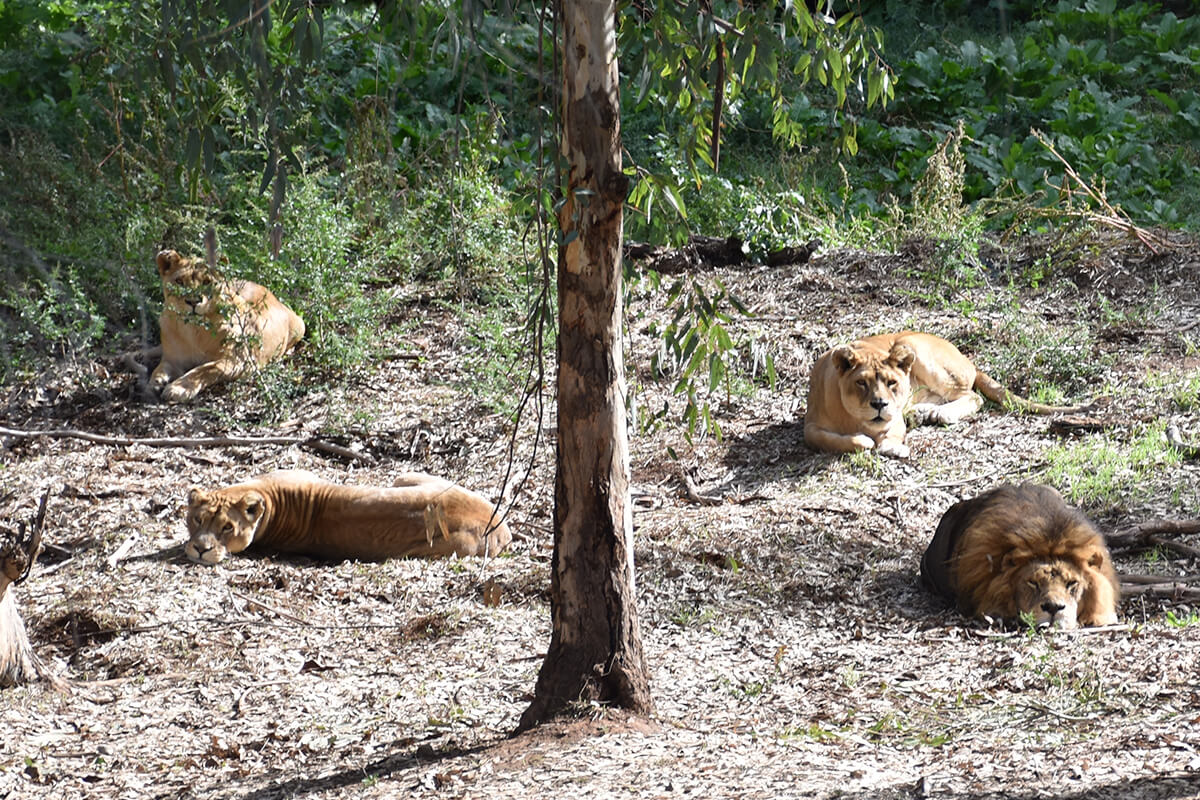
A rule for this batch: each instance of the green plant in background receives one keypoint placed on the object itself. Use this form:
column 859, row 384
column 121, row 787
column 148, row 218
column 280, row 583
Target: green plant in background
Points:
column 698, row 352
column 1101, row 470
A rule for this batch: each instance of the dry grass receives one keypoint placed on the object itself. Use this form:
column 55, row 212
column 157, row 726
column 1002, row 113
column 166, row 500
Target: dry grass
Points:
column 792, row 651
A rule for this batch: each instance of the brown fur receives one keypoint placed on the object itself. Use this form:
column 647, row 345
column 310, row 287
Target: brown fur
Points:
column 294, row 511
column 1022, row 550
column 860, row 393
column 213, row 329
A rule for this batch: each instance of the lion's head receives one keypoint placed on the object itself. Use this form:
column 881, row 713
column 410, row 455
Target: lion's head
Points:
column 220, row 523
column 874, row 387
column 1048, row 593
column 189, row 286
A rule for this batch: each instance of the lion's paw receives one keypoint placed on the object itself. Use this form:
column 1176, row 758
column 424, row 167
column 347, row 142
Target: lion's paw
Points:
column 862, row 442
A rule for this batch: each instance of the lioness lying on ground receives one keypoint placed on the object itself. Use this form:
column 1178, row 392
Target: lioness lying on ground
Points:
column 294, row 511
column 1021, row 550
column 214, row 329
column 859, row 392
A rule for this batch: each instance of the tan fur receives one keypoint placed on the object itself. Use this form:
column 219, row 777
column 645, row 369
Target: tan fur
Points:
column 213, row 329
column 1022, row 550
column 860, row 393
column 294, row 511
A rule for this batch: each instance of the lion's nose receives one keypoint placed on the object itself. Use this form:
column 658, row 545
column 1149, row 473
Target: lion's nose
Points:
column 879, row 404
column 1052, row 608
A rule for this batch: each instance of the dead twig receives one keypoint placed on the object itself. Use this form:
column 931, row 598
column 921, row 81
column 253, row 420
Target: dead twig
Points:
column 693, row 492
column 207, row 441
column 1108, row 215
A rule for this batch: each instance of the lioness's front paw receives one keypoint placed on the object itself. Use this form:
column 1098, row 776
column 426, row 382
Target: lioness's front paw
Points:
column 893, row 449
column 862, row 442
column 174, row 393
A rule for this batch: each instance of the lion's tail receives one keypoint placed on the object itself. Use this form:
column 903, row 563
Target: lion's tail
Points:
column 992, row 390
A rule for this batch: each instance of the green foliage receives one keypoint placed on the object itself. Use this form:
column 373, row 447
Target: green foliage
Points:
column 1102, row 470
column 698, row 352
column 1184, row 620
column 1110, row 83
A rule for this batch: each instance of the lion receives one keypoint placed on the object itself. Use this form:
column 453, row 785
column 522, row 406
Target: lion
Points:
column 859, row 393
column 213, row 329
column 294, row 511
column 1022, row 552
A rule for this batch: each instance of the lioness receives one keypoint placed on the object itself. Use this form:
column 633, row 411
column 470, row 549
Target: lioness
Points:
column 1022, row 551
column 859, row 392
column 294, row 511
column 214, row 329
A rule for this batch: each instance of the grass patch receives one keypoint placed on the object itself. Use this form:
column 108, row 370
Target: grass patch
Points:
column 1103, row 471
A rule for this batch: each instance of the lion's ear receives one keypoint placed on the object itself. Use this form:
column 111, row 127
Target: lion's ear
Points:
column 844, row 359
column 1013, row 559
column 195, row 497
column 1096, row 559
column 902, row 356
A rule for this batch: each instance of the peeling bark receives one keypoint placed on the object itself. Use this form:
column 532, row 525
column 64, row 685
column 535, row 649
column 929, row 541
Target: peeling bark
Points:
column 595, row 653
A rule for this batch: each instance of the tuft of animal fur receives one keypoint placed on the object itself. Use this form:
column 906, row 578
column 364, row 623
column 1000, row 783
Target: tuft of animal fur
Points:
column 1019, row 550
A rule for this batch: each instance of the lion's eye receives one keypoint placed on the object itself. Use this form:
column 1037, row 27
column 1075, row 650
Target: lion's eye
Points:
column 862, row 384
column 1032, row 584
column 227, row 528
column 891, row 384
column 1072, row 586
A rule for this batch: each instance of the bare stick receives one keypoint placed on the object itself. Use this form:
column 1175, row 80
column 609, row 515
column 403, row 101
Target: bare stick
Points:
column 210, row 441
column 1142, row 534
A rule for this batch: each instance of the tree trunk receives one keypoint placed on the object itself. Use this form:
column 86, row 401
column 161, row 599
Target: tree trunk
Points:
column 595, row 653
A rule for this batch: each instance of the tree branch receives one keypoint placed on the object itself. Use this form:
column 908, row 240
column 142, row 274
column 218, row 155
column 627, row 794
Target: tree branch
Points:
column 211, row 441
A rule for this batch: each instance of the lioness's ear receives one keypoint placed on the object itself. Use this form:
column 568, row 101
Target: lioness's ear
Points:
column 165, row 260
column 252, row 505
column 196, row 496
column 844, row 359
column 902, row 356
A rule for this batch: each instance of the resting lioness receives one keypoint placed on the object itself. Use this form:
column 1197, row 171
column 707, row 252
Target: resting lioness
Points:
column 859, row 393
column 294, row 511
column 215, row 329
column 1022, row 551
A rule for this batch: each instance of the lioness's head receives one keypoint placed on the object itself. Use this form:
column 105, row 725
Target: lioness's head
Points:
column 220, row 523
column 188, row 284
column 1049, row 592
column 874, row 388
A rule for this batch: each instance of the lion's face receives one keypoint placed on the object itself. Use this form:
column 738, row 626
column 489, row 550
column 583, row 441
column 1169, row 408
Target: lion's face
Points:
column 189, row 286
column 1049, row 592
column 874, row 388
column 221, row 523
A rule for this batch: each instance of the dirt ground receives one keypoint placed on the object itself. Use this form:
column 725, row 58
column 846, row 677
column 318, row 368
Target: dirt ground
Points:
column 792, row 651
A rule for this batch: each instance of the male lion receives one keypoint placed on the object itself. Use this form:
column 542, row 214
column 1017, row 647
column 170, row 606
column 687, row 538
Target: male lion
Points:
column 1021, row 550
column 294, row 511
column 214, row 329
column 859, row 392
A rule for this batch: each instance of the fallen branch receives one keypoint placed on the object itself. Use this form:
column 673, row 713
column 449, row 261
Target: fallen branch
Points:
column 1145, row 534
column 210, row 441
column 1164, row 591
